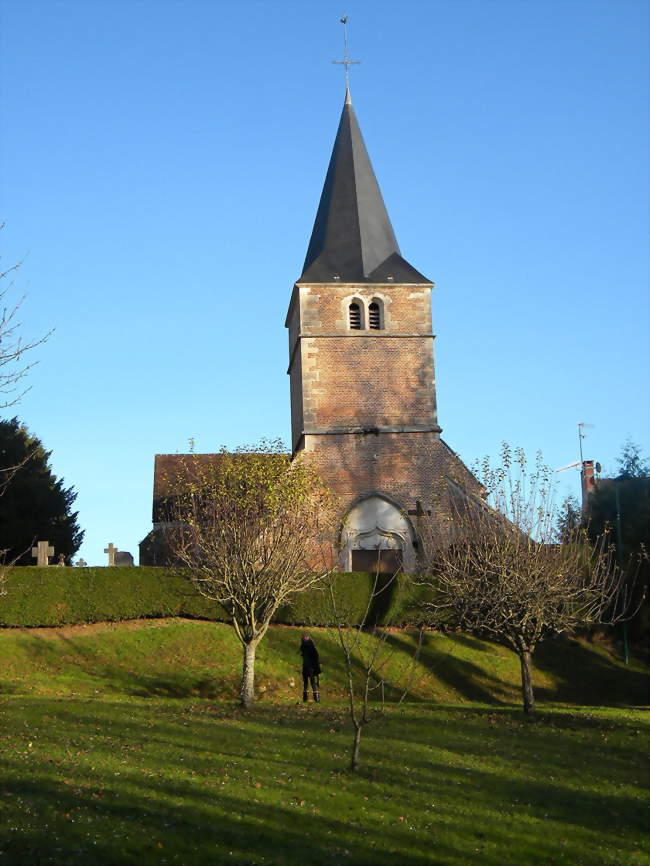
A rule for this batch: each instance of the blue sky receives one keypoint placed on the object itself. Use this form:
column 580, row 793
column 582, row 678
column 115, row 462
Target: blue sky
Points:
column 161, row 167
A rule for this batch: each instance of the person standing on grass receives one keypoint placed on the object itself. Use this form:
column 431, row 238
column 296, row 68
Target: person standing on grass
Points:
column 310, row 668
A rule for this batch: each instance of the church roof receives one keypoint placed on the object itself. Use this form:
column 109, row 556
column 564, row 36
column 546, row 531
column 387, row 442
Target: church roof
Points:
column 353, row 239
column 172, row 471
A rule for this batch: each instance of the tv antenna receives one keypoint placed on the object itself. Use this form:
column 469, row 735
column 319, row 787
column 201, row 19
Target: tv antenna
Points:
column 573, row 465
column 582, row 435
column 580, row 463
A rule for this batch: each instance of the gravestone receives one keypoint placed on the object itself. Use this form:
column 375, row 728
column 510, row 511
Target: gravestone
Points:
column 123, row 557
column 81, row 563
column 111, row 550
column 42, row 552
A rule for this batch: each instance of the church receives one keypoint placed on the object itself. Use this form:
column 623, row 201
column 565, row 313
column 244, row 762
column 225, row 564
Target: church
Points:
column 362, row 378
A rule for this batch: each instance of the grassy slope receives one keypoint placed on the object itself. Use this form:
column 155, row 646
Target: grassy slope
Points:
column 188, row 658
column 116, row 747
column 154, row 781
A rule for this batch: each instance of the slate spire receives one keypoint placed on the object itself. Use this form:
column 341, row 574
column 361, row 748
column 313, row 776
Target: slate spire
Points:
column 353, row 240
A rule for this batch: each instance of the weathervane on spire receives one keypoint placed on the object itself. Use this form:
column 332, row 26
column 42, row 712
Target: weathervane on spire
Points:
column 346, row 62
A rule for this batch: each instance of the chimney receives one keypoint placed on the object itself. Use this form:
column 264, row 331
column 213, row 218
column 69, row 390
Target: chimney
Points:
column 588, row 484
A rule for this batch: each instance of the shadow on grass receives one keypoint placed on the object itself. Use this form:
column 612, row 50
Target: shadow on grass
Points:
column 581, row 674
column 8, row 688
column 198, row 828
column 149, row 814
column 506, row 733
column 183, row 788
column 125, row 680
column 582, row 670
column 467, row 679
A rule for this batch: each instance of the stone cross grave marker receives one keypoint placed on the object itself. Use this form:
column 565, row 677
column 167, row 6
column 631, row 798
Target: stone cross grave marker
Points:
column 42, row 552
column 111, row 550
column 81, row 563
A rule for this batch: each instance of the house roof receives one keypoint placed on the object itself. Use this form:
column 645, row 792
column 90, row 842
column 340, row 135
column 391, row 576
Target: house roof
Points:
column 353, row 240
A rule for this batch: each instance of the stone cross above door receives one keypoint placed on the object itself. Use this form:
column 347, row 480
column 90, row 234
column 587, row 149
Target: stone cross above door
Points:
column 42, row 552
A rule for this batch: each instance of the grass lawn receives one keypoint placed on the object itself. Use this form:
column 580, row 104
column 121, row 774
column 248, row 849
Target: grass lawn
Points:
column 119, row 746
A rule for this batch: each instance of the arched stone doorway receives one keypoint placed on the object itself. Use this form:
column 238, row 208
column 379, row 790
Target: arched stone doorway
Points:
column 377, row 536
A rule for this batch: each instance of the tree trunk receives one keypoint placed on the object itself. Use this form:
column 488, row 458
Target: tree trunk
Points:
column 527, row 682
column 354, row 757
column 247, row 688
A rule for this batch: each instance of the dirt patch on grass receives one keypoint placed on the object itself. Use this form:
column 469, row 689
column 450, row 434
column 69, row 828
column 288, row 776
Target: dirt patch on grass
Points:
column 65, row 631
column 51, row 632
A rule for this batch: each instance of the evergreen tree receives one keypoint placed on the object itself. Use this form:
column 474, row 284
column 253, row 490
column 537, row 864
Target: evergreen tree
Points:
column 622, row 504
column 34, row 504
column 569, row 520
column 630, row 463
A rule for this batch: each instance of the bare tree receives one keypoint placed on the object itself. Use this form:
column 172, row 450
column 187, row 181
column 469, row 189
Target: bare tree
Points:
column 368, row 650
column 501, row 571
column 13, row 369
column 253, row 528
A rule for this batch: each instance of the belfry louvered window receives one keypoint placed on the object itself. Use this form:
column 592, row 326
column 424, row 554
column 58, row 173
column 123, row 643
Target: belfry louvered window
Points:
column 374, row 316
column 355, row 316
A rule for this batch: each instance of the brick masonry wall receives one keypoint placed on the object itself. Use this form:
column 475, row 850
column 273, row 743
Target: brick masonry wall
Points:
column 324, row 308
column 367, row 417
column 403, row 467
column 350, row 379
column 367, row 381
column 406, row 467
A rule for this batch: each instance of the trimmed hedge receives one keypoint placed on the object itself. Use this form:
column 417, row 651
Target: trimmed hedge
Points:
column 71, row 596
column 353, row 592
column 63, row 596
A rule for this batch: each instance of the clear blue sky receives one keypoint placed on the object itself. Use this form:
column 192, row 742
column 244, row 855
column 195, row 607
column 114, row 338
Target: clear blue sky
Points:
column 162, row 164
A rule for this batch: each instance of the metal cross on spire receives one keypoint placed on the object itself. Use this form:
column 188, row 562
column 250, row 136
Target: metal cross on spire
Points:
column 346, row 62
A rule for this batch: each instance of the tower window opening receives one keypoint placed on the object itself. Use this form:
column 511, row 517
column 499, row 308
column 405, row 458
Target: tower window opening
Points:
column 374, row 316
column 355, row 316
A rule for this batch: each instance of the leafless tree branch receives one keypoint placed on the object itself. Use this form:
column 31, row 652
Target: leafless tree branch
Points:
column 367, row 652
column 12, row 349
column 501, row 572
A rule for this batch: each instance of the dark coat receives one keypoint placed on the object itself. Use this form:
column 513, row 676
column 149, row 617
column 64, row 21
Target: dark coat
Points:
column 310, row 659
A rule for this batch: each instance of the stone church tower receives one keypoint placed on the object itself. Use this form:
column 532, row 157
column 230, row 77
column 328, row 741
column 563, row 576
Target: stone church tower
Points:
column 363, row 398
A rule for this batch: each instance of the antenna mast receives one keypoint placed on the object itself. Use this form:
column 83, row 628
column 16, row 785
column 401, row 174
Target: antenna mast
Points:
column 582, row 435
